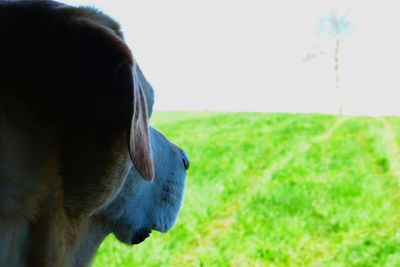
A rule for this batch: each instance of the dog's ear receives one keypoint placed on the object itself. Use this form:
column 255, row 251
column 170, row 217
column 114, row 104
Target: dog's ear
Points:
column 139, row 137
column 120, row 61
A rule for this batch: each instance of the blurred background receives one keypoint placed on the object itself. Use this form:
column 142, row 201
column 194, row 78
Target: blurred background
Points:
column 250, row 55
column 271, row 183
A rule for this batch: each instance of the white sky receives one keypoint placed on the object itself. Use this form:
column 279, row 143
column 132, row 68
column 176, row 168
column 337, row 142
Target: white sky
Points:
column 247, row 55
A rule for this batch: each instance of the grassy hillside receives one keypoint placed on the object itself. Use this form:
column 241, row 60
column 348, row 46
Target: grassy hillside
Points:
column 279, row 190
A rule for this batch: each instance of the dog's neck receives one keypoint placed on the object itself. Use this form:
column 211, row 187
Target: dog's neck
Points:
column 52, row 240
column 34, row 222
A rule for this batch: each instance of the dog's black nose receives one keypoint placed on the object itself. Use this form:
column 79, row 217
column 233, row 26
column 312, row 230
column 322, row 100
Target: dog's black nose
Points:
column 185, row 159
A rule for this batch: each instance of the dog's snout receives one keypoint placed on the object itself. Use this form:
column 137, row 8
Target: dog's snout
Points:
column 185, row 159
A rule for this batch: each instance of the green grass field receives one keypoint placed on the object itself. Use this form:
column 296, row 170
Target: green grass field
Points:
column 279, row 190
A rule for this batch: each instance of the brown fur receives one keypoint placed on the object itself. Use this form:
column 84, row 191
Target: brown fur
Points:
column 70, row 116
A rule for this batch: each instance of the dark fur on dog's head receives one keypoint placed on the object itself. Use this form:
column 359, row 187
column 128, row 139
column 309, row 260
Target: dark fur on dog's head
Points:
column 71, row 69
column 74, row 110
column 87, row 63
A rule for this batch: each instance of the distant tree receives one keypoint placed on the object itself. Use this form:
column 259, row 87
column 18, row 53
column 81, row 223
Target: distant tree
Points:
column 335, row 26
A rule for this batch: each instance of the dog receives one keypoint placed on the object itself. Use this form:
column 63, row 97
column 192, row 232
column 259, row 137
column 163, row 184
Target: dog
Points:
column 78, row 159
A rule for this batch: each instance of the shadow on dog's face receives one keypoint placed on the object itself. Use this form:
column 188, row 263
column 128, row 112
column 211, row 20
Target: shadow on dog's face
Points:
column 142, row 206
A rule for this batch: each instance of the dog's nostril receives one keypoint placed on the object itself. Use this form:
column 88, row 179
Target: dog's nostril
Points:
column 185, row 159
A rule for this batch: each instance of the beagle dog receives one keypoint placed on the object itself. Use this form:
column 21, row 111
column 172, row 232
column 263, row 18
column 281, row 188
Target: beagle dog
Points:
column 78, row 159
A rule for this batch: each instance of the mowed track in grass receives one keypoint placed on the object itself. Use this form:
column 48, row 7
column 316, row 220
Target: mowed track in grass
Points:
column 279, row 190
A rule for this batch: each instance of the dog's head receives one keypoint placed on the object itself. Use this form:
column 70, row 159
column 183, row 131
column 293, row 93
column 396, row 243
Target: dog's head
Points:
column 150, row 196
column 76, row 149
